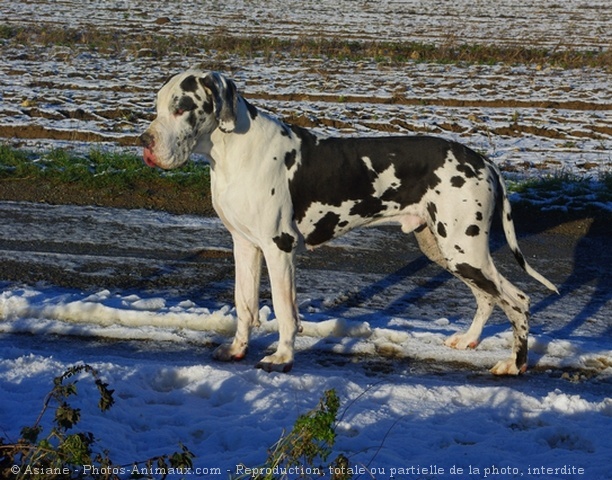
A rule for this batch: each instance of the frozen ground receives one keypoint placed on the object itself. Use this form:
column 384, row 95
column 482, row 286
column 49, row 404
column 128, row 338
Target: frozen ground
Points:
column 145, row 296
column 573, row 23
column 529, row 118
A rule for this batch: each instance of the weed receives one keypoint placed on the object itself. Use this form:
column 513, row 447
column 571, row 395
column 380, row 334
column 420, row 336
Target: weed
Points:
column 303, row 452
column 385, row 52
column 7, row 31
column 16, row 163
column 565, row 191
column 563, row 179
column 62, row 453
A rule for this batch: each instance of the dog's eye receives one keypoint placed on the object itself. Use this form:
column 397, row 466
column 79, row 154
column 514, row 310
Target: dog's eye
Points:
column 184, row 104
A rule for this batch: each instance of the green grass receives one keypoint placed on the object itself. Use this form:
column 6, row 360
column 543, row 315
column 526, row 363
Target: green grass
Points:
column 565, row 191
column 99, row 169
column 119, row 172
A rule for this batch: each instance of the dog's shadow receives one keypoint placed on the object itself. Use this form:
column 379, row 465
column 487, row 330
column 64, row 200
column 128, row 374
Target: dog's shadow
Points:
column 588, row 268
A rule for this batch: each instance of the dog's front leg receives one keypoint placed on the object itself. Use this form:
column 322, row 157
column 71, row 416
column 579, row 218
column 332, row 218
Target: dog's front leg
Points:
column 281, row 269
column 247, row 258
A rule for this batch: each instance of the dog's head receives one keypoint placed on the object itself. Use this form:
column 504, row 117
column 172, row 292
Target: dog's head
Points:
column 190, row 106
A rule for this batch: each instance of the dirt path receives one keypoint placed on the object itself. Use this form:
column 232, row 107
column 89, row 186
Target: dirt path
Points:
column 91, row 247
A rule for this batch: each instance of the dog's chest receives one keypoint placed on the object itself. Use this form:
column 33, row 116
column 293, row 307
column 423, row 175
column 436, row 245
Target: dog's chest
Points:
column 253, row 200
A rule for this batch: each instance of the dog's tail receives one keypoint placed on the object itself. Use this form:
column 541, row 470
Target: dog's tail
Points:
column 508, row 225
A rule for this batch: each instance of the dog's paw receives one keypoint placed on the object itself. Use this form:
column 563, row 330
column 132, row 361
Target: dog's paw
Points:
column 229, row 352
column 275, row 363
column 508, row 367
column 462, row 341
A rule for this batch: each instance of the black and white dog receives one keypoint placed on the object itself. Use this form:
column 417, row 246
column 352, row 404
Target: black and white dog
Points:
column 278, row 188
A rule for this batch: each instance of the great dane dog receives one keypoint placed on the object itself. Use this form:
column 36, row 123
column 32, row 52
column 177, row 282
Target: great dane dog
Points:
column 279, row 188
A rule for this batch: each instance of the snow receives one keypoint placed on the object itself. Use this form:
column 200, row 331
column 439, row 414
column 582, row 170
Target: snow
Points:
column 575, row 23
column 411, row 408
column 532, row 119
column 408, row 402
column 229, row 414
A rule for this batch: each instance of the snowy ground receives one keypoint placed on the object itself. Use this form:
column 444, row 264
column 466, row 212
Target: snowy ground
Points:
column 529, row 118
column 145, row 296
column 549, row 23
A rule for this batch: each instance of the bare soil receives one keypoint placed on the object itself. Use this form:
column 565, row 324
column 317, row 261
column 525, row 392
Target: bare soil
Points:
column 156, row 195
column 159, row 195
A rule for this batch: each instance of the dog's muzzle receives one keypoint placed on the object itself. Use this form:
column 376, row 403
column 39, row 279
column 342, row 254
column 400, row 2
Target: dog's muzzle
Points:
column 148, row 142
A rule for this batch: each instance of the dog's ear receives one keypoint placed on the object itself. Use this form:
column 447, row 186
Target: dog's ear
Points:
column 225, row 100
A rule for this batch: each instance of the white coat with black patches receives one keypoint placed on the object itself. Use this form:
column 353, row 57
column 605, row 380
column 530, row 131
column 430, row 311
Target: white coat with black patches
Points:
column 278, row 187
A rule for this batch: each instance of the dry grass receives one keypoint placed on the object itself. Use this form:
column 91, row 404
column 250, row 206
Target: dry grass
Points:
column 112, row 42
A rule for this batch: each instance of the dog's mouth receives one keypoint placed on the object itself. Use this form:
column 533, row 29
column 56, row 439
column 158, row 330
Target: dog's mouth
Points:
column 149, row 157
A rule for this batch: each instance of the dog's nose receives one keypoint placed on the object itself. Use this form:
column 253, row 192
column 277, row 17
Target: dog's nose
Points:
column 146, row 140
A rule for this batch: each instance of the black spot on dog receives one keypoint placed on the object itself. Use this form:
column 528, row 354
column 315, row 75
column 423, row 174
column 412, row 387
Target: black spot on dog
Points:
column 466, row 170
column 186, row 103
column 324, row 229
column 441, row 230
column 479, row 216
column 432, row 210
column 473, row 230
column 343, row 224
column 272, row 192
column 192, row 119
column 284, row 242
column 476, row 276
column 519, row 257
column 457, row 181
column 252, row 110
column 189, row 84
column 331, row 170
column 509, row 217
column 459, row 249
column 521, row 354
column 470, row 162
column 290, row 158
column 368, row 207
column 208, row 106
column 389, row 194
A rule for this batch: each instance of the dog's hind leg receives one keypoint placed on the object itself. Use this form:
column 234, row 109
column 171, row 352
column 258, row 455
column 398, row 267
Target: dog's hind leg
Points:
column 470, row 261
column 496, row 290
column 515, row 304
column 470, row 339
column 485, row 303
